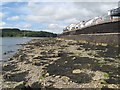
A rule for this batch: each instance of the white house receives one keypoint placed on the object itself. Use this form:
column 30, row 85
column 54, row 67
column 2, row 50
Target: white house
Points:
column 81, row 24
column 98, row 20
column 93, row 21
column 72, row 26
column 77, row 26
column 89, row 22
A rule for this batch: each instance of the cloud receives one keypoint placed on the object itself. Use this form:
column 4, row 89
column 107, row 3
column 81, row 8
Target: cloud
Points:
column 27, row 26
column 56, row 28
column 34, row 18
column 14, row 18
column 108, row 6
column 23, row 26
column 60, row 1
column 55, row 12
column 59, row 12
column 92, row 9
column 72, row 20
column 53, row 16
column 1, row 15
column 2, row 24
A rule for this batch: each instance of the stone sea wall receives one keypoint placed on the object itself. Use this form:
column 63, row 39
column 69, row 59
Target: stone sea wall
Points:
column 106, row 38
column 108, row 33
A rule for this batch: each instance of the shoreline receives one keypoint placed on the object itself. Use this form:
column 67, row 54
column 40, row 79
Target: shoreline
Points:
column 9, row 49
column 61, row 63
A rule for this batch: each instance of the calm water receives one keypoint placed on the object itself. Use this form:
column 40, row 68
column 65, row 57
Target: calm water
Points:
column 9, row 46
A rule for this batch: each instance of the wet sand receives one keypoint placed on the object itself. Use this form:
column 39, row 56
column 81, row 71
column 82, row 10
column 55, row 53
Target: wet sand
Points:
column 59, row 63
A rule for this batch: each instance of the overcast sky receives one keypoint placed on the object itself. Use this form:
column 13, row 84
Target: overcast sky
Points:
column 50, row 16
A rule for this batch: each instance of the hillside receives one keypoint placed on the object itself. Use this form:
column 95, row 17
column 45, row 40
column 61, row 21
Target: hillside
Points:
column 14, row 32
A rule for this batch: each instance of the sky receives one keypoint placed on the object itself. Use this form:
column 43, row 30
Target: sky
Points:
column 49, row 16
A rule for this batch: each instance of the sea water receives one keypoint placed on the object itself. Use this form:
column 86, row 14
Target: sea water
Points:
column 9, row 46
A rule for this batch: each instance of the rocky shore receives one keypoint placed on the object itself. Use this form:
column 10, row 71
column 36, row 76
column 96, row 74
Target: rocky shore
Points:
column 58, row 64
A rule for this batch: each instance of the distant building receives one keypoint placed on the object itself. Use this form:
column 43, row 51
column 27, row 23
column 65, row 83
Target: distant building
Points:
column 82, row 24
column 114, row 12
column 89, row 22
column 113, row 15
column 72, row 26
column 99, row 20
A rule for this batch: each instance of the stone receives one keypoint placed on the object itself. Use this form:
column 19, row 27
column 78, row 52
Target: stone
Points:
column 20, row 85
column 36, row 85
column 10, row 59
column 47, row 74
column 74, row 58
column 65, row 62
column 76, row 71
column 22, row 57
column 99, row 75
column 57, row 76
column 36, row 62
column 64, row 78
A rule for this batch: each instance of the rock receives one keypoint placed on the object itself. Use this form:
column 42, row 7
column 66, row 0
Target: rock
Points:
column 103, row 44
column 61, row 53
column 15, row 76
column 5, row 65
column 36, row 85
column 76, row 71
column 8, row 67
column 36, row 62
column 65, row 62
column 74, row 58
column 64, row 78
column 7, row 76
column 10, row 59
column 16, row 55
column 22, row 57
column 103, row 82
column 20, row 85
column 47, row 74
column 57, row 76
column 37, row 57
column 113, row 86
column 27, row 62
column 100, row 75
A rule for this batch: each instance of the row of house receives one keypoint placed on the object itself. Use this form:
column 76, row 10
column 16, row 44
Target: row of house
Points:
column 94, row 21
column 83, row 24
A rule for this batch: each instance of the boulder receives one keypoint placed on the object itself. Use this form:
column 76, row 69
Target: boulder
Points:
column 76, row 71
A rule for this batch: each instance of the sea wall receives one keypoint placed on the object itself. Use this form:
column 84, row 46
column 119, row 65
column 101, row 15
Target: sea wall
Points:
column 108, row 38
column 108, row 33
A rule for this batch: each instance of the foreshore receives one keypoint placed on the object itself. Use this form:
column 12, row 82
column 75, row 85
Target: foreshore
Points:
column 60, row 63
